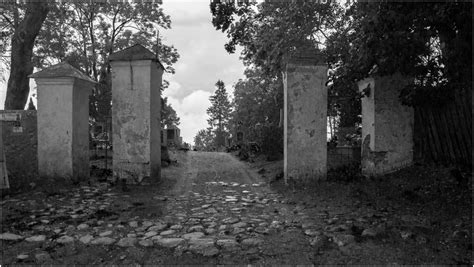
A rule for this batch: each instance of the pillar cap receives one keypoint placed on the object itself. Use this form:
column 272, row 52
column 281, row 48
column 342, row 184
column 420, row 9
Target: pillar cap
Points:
column 306, row 56
column 61, row 70
column 135, row 52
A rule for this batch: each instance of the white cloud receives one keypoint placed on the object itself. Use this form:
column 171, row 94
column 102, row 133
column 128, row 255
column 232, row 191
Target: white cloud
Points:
column 172, row 90
column 192, row 113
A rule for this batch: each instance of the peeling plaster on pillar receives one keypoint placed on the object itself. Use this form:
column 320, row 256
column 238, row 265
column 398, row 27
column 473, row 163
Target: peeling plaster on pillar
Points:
column 136, row 82
column 305, row 122
column 63, row 122
column 387, row 126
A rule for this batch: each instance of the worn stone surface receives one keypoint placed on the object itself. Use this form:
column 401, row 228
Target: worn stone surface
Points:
column 82, row 226
column 63, row 122
column 150, row 234
column 127, row 242
column 227, row 244
column 22, row 256
column 42, row 257
column 146, row 243
column 167, row 232
column 106, row 233
column 343, row 239
column 251, row 242
column 387, row 126
column 204, row 246
column 36, row 238
column 136, row 118
column 305, row 120
column 65, row 239
column 169, row 242
column 158, row 227
column 103, row 241
column 10, row 236
column 193, row 235
column 86, row 239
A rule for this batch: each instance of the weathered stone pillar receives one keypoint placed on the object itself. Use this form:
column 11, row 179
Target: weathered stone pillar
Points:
column 387, row 126
column 63, row 122
column 305, row 117
column 136, row 82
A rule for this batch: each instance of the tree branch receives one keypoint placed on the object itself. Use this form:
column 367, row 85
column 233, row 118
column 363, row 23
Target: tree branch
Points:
column 8, row 20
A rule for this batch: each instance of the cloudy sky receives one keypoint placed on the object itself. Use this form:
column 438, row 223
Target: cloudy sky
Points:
column 203, row 60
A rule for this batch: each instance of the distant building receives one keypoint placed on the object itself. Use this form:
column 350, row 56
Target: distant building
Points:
column 163, row 138
column 173, row 136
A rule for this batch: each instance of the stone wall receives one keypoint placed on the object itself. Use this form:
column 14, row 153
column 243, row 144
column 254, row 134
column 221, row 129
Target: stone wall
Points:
column 20, row 142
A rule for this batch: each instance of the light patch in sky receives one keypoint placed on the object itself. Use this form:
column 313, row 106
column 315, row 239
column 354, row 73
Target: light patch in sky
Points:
column 192, row 111
column 203, row 60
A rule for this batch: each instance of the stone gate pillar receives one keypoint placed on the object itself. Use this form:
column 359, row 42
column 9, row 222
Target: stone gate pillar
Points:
column 136, row 107
column 305, row 117
column 63, row 122
column 387, row 126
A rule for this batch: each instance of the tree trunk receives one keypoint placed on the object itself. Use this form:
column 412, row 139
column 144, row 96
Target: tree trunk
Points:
column 21, row 52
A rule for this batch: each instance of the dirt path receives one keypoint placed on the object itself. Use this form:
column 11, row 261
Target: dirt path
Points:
column 232, row 212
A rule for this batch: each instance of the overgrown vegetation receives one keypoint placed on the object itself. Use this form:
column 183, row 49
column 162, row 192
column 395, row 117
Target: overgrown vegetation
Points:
column 84, row 35
column 427, row 41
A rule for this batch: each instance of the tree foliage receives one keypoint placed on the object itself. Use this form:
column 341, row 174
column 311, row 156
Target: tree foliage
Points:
column 257, row 104
column 219, row 113
column 431, row 42
column 273, row 30
column 93, row 31
column 169, row 117
column 204, row 140
column 85, row 34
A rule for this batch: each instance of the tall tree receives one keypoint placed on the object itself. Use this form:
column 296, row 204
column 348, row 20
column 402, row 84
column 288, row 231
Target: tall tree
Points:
column 25, row 27
column 204, row 140
column 219, row 113
column 169, row 117
column 257, row 103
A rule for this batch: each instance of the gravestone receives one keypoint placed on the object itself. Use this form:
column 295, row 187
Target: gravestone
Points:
column 305, row 117
column 63, row 122
column 136, row 106
column 387, row 126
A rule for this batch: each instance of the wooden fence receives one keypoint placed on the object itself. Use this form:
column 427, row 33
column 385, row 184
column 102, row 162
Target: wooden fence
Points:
column 443, row 134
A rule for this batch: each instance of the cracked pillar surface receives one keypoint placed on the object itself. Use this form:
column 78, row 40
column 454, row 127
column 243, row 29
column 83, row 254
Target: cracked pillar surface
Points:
column 387, row 126
column 63, row 122
column 305, row 117
column 136, row 114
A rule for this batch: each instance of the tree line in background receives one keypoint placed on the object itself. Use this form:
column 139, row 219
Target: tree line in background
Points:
column 219, row 112
column 40, row 34
column 431, row 42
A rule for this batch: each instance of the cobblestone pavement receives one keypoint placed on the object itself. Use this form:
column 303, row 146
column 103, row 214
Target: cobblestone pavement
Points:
column 218, row 208
column 211, row 209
